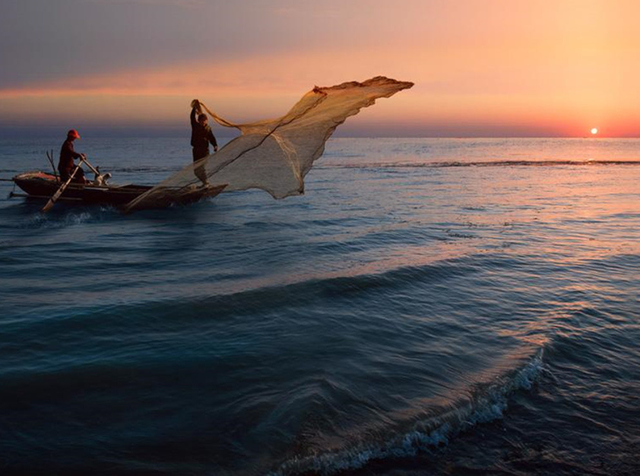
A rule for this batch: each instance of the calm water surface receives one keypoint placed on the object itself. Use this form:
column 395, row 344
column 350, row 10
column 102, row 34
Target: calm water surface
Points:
column 430, row 306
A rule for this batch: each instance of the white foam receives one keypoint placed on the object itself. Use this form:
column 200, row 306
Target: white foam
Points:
column 489, row 406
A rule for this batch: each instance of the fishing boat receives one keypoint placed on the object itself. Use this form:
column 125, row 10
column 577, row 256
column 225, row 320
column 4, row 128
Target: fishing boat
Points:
column 42, row 185
column 46, row 186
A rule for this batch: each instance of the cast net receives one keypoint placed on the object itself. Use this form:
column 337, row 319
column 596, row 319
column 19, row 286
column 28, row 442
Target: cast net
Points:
column 273, row 155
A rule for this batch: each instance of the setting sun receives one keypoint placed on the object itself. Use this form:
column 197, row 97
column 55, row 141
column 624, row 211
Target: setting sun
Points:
column 594, row 131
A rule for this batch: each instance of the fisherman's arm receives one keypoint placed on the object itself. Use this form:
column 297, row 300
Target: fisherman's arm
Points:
column 212, row 140
column 71, row 151
column 195, row 107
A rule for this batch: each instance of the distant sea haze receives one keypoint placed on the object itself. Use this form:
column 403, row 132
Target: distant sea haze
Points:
column 428, row 306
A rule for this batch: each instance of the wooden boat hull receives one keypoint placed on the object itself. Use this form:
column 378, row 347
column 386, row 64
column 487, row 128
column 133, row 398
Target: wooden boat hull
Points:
column 42, row 185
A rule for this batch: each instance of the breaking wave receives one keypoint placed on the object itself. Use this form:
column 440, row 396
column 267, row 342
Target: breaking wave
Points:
column 486, row 404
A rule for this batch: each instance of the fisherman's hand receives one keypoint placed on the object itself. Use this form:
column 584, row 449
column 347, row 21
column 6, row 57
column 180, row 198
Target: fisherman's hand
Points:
column 195, row 104
column 215, row 148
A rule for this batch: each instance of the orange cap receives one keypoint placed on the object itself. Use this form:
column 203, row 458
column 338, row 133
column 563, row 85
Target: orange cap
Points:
column 73, row 133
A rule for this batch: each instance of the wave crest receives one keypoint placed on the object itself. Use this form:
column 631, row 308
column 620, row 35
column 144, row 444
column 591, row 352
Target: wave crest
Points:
column 486, row 404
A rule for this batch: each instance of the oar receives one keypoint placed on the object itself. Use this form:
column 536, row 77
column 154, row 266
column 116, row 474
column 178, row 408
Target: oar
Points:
column 93, row 169
column 101, row 179
column 52, row 200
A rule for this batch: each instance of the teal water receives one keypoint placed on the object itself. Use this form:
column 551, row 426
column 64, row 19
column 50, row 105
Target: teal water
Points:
column 430, row 306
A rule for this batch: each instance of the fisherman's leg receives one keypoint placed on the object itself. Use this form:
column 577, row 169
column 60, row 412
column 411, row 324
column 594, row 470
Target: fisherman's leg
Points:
column 200, row 171
column 79, row 176
column 64, row 175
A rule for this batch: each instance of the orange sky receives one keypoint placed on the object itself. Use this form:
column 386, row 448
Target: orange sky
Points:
column 481, row 67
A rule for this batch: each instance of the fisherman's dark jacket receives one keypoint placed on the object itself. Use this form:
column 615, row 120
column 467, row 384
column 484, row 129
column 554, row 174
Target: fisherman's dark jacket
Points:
column 201, row 135
column 67, row 154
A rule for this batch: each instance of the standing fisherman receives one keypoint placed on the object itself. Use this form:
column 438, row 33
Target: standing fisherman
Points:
column 201, row 136
column 67, row 155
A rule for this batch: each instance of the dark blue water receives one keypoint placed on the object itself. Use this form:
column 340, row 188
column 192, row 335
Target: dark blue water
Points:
column 398, row 319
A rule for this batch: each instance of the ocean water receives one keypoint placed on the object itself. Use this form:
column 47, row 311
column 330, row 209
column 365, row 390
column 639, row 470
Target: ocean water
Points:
column 429, row 306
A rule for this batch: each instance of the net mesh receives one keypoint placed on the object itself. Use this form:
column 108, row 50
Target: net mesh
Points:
column 274, row 155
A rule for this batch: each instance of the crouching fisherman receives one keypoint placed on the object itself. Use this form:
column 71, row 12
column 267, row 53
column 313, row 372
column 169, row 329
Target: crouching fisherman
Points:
column 66, row 166
column 201, row 136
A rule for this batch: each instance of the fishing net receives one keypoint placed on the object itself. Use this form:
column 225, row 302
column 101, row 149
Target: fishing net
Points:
column 273, row 155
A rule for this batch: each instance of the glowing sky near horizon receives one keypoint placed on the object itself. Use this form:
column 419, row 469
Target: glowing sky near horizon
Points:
column 481, row 67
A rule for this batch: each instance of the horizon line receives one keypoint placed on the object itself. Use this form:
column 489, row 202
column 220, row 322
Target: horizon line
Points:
column 158, row 134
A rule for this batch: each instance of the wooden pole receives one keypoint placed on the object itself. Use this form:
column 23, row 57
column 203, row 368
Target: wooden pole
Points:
column 50, row 157
column 52, row 200
column 93, row 169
